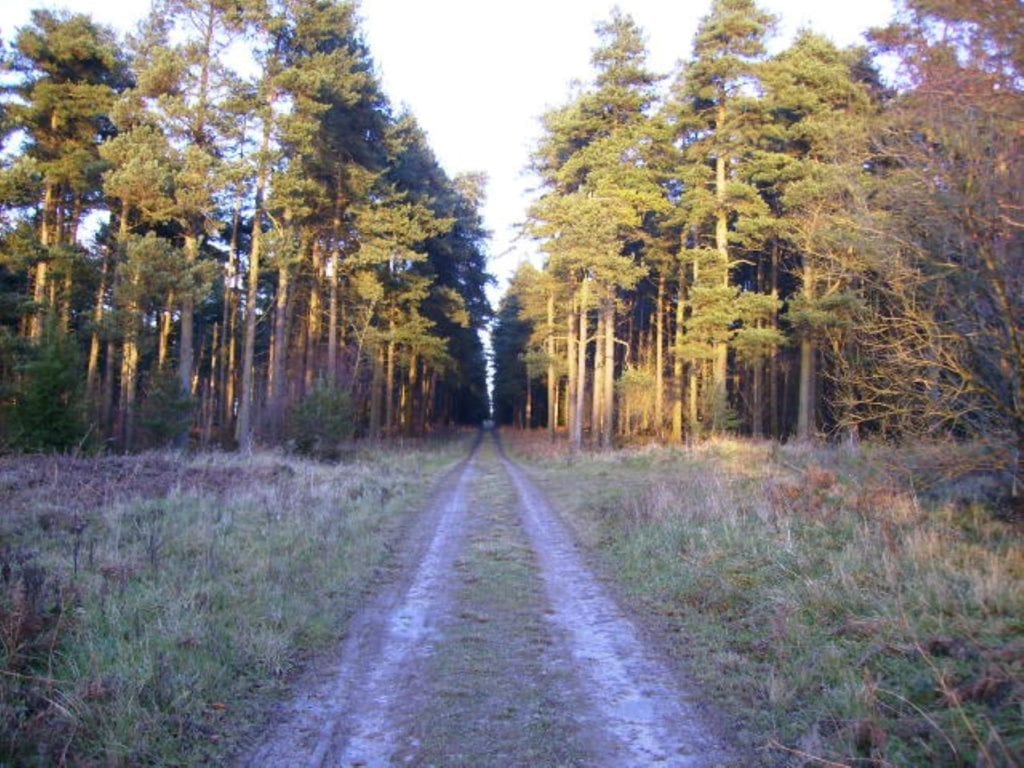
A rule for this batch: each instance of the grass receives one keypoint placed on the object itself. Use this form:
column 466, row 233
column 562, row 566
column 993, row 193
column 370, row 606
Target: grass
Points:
column 845, row 618
column 496, row 696
column 152, row 608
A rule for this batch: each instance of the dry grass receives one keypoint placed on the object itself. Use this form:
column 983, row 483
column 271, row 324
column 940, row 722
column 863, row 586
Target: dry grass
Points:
column 151, row 606
column 846, row 615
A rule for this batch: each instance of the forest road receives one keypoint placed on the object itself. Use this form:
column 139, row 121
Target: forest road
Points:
column 494, row 645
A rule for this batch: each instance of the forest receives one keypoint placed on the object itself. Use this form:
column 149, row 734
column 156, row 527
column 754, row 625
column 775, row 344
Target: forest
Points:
column 218, row 230
column 755, row 499
column 781, row 246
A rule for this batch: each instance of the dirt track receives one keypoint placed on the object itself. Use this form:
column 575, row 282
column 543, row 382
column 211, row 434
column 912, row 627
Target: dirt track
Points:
column 495, row 645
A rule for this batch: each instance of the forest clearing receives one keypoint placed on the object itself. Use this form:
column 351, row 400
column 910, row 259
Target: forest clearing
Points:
column 787, row 606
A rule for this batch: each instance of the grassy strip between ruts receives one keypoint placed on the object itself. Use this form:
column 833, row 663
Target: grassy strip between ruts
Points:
column 158, row 629
column 497, row 696
column 843, row 618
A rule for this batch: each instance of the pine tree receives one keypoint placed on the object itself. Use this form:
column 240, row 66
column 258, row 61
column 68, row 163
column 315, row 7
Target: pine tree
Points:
column 69, row 72
column 718, row 118
column 821, row 119
column 598, row 190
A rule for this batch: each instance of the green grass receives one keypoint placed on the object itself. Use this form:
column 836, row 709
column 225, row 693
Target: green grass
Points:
column 842, row 617
column 159, row 630
column 496, row 696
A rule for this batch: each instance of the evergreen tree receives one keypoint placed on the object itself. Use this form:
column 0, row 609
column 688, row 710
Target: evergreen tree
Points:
column 598, row 190
column 719, row 122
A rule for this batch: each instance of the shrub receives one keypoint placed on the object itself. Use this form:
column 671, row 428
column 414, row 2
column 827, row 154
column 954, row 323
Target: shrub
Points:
column 322, row 422
column 165, row 412
column 48, row 409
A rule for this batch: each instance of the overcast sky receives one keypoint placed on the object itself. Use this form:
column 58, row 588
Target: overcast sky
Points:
column 479, row 73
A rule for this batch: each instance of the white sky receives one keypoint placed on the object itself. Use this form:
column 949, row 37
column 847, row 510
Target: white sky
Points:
column 478, row 73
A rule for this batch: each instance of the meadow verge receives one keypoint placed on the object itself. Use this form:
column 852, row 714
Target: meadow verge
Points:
column 153, row 607
column 846, row 619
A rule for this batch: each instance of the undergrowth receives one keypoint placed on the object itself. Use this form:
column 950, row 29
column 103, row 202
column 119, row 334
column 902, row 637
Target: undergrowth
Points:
column 153, row 625
column 847, row 619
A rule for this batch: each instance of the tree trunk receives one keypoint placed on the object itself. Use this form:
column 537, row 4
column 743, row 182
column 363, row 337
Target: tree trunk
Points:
column 719, row 386
column 597, row 383
column 229, row 321
column 244, row 432
column 410, row 399
column 572, row 380
column 389, row 381
column 107, row 389
column 279, row 367
column 528, row 419
column 166, row 326
column 581, row 368
column 659, row 357
column 47, row 239
column 93, row 368
column 805, row 396
column 129, row 349
column 608, row 406
column 376, row 394
column 757, row 398
column 332, row 319
column 677, row 359
column 185, row 344
column 552, row 384
column 313, row 321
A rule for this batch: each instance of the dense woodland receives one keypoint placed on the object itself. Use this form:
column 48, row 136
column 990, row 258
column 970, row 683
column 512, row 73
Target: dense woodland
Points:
column 217, row 231
column 784, row 245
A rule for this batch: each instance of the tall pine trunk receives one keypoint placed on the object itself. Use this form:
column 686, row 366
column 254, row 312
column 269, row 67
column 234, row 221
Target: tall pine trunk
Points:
column 389, row 380
column 659, row 357
column 679, row 388
column 608, row 410
column 581, row 368
column 719, row 386
column 552, row 384
column 93, row 366
column 572, row 381
column 805, row 395
column 597, row 410
column 279, row 359
column 185, row 344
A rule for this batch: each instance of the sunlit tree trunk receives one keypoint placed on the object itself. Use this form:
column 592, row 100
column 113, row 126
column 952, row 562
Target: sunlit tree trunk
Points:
column 659, row 357
column 581, row 367
column 185, row 343
column 552, row 384
column 805, row 396
column 93, row 366
column 608, row 384
column 244, row 429
column 164, row 335
column 572, row 379
column 389, row 379
column 719, row 392
column 597, row 409
column 229, row 337
column 679, row 390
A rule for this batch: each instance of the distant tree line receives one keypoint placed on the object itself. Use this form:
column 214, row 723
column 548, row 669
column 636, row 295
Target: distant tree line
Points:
column 780, row 246
column 217, row 218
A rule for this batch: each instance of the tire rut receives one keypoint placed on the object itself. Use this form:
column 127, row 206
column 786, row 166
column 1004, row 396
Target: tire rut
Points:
column 652, row 721
column 496, row 646
column 345, row 714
